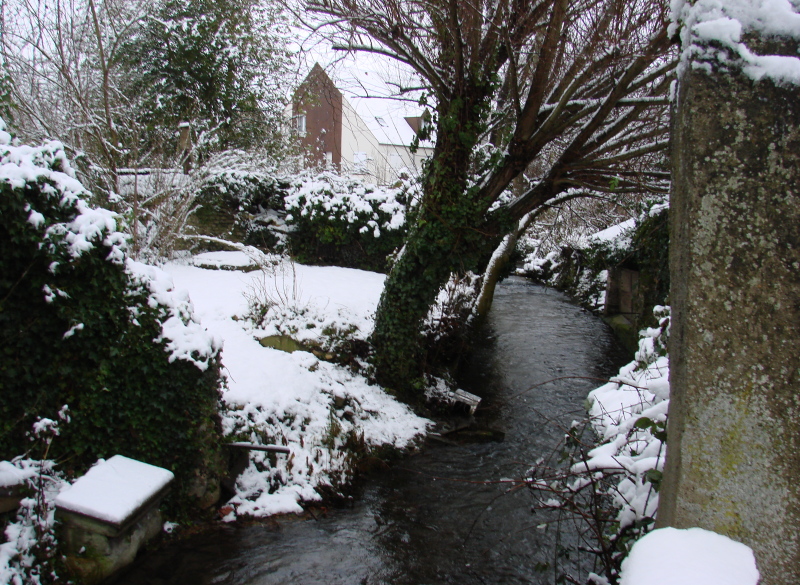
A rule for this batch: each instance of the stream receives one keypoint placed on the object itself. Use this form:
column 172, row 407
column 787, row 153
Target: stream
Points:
column 440, row 516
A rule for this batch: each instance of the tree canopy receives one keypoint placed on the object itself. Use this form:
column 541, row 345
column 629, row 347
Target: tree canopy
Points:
column 214, row 64
column 572, row 94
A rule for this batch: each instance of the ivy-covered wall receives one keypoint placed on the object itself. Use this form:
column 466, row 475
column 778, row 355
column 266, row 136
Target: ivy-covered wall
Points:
column 583, row 272
column 83, row 325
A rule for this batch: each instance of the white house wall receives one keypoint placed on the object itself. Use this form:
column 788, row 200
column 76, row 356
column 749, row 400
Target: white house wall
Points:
column 381, row 166
column 357, row 137
column 412, row 162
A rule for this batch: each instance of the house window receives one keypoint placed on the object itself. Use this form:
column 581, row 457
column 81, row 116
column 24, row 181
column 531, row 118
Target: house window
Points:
column 299, row 124
column 360, row 162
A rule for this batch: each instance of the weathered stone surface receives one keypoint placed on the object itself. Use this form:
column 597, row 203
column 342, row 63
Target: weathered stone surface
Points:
column 93, row 555
column 107, row 515
column 734, row 429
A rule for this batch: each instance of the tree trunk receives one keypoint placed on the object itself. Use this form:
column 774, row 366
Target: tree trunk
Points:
column 491, row 276
column 502, row 254
column 442, row 240
column 408, row 294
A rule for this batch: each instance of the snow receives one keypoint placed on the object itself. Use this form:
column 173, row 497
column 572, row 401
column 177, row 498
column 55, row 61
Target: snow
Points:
column 370, row 84
column 186, row 338
column 222, row 260
column 11, row 475
column 114, row 489
column 670, row 556
column 294, row 399
column 619, row 234
column 628, row 414
column 712, row 31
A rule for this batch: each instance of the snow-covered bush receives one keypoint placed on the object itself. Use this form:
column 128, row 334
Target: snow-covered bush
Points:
column 82, row 324
column 29, row 552
column 344, row 221
column 277, row 308
column 581, row 268
column 240, row 194
column 613, row 477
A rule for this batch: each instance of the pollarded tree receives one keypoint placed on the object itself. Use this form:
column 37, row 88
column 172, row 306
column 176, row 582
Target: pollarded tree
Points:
column 575, row 90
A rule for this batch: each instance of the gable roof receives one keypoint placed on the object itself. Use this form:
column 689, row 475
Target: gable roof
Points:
column 365, row 88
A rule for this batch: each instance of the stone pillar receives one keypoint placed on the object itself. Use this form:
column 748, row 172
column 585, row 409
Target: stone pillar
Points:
column 733, row 463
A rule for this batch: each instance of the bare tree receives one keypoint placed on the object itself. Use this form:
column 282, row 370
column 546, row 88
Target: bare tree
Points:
column 575, row 90
column 62, row 59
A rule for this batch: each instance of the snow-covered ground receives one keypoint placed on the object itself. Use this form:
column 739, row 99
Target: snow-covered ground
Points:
column 294, row 399
column 693, row 556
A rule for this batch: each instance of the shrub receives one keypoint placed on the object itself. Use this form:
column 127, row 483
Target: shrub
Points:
column 239, row 195
column 81, row 324
column 343, row 221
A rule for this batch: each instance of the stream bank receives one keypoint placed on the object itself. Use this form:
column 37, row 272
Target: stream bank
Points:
column 446, row 514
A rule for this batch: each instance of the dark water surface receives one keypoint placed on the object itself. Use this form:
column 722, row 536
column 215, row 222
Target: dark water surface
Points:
column 443, row 515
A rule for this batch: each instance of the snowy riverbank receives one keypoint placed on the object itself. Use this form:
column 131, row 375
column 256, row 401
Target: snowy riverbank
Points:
column 320, row 410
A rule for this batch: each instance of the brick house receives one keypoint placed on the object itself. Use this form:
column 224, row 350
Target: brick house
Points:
column 367, row 137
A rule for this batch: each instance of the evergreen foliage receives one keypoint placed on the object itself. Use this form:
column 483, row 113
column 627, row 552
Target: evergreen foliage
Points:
column 244, row 196
column 82, row 325
column 581, row 272
column 214, row 64
column 345, row 222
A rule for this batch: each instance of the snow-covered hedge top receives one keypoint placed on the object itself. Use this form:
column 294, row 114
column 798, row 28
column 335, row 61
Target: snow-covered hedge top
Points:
column 48, row 165
column 88, row 227
column 617, row 236
column 346, row 199
column 712, row 31
column 186, row 337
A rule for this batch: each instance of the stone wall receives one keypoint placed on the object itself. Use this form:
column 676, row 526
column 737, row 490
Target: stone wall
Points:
column 733, row 462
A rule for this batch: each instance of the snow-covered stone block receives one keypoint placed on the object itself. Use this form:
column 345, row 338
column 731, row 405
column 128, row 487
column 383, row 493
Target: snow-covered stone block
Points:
column 12, row 486
column 470, row 400
column 109, row 514
column 693, row 556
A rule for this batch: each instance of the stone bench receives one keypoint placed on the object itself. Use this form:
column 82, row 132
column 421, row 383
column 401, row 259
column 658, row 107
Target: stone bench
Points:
column 109, row 514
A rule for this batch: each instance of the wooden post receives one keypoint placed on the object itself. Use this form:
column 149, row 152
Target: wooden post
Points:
column 185, row 146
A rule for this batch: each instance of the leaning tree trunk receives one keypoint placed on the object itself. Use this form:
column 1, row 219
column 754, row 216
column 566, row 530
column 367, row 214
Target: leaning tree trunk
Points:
column 502, row 254
column 442, row 240
column 491, row 276
column 410, row 290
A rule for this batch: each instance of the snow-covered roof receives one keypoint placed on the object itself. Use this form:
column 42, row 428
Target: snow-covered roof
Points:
column 376, row 102
column 371, row 85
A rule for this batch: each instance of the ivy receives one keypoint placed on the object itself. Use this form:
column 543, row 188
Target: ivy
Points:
column 580, row 272
column 76, row 328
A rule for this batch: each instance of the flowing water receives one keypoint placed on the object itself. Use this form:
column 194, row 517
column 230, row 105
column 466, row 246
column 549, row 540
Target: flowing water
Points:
column 443, row 515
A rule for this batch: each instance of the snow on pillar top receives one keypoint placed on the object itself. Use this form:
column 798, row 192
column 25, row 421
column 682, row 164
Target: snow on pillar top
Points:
column 114, row 490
